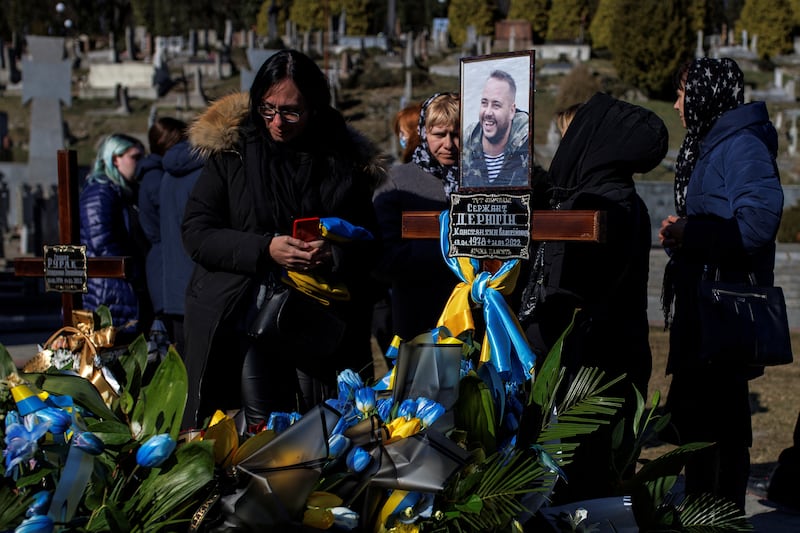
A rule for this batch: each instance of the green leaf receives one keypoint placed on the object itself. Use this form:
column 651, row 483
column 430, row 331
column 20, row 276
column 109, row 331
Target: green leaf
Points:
column 669, row 464
column 164, row 491
column 161, row 403
column 133, row 364
column 109, row 518
column 80, row 389
column 7, row 366
column 111, row 432
column 707, row 512
column 474, row 412
column 126, row 403
column 547, row 378
column 104, row 317
column 473, row 505
column 12, row 507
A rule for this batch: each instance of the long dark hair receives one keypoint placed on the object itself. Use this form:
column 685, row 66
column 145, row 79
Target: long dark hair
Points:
column 302, row 70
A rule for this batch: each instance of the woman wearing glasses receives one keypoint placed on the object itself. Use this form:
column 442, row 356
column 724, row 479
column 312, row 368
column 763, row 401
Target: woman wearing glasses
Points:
column 279, row 154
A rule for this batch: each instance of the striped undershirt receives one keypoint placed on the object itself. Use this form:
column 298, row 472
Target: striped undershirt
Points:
column 493, row 165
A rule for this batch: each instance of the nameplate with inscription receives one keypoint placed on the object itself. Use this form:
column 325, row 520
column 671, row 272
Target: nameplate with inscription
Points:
column 490, row 226
column 65, row 268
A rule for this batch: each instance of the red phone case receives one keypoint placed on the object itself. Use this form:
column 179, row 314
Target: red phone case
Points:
column 306, row 229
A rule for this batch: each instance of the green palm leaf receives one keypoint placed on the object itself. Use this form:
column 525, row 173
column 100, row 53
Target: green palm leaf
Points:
column 584, row 407
column 706, row 513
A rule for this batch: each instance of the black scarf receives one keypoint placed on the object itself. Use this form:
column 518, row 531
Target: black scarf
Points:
column 712, row 87
column 423, row 157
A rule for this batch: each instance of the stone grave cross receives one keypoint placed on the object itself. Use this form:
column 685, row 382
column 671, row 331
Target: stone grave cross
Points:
column 69, row 234
column 47, row 80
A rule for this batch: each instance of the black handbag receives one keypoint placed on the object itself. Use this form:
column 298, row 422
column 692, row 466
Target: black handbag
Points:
column 743, row 323
column 301, row 322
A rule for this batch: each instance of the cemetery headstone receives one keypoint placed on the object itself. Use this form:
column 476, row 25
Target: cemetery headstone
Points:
column 113, row 51
column 47, row 85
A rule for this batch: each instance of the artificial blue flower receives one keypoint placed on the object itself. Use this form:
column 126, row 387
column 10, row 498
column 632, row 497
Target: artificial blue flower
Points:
column 365, row 400
column 344, row 518
column 40, row 523
column 278, row 422
column 22, row 438
column 350, row 417
column 40, row 503
column 407, row 409
column 59, row 419
column 348, row 382
column 155, row 451
column 385, row 408
column 337, row 445
column 294, row 416
column 88, row 442
column 358, row 459
column 428, row 411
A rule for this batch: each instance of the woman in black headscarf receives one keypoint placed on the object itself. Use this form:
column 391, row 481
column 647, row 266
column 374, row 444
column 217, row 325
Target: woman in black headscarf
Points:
column 606, row 142
column 728, row 200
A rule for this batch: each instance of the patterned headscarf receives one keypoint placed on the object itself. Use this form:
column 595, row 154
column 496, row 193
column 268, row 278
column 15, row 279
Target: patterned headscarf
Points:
column 712, row 87
column 423, row 157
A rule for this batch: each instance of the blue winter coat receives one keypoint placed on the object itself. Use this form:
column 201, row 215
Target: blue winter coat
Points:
column 150, row 172
column 734, row 203
column 182, row 167
column 106, row 231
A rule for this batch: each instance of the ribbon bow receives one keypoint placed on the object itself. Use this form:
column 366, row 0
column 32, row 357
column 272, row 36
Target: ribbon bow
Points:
column 503, row 331
column 83, row 340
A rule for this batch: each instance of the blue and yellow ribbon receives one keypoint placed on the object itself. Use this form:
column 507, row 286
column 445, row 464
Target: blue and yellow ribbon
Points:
column 504, row 334
column 337, row 230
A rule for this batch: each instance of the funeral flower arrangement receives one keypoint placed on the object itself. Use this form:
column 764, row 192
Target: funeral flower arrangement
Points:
column 445, row 442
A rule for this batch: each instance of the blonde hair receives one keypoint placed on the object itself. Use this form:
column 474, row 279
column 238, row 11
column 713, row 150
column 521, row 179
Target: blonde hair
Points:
column 444, row 110
column 565, row 116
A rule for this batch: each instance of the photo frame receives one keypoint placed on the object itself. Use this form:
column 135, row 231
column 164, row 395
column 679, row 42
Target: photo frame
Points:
column 496, row 121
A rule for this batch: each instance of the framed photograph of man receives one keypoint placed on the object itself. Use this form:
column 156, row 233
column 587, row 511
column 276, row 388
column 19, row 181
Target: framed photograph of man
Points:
column 496, row 118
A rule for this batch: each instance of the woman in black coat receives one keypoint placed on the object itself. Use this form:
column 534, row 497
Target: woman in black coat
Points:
column 606, row 142
column 280, row 154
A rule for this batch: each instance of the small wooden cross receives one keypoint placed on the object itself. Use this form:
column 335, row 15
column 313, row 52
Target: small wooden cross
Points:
column 69, row 233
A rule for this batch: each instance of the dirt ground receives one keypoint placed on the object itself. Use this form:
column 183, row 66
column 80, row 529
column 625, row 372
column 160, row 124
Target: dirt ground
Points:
column 774, row 403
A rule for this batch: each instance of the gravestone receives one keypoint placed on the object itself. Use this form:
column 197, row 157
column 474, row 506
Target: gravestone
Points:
column 255, row 58
column 130, row 45
column 46, row 85
column 113, row 51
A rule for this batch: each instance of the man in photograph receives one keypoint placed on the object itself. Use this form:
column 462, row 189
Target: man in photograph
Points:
column 496, row 151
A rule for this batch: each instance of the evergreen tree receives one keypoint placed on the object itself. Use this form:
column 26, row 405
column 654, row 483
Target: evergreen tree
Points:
column 795, row 5
column 464, row 13
column 600, row 27
column 357, row 16
column 535, row 12
column 568, row 20
column 771, row 21
column 311, row 15
column 649, row 41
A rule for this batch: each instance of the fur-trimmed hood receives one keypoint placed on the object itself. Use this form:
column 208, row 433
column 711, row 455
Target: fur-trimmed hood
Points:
column 219, row 129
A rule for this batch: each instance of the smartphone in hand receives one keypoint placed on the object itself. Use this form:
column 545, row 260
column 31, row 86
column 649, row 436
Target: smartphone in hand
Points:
column 306, row 229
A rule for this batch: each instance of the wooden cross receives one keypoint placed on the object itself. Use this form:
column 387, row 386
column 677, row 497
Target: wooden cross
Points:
column 69, row 233
column 578, row 225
